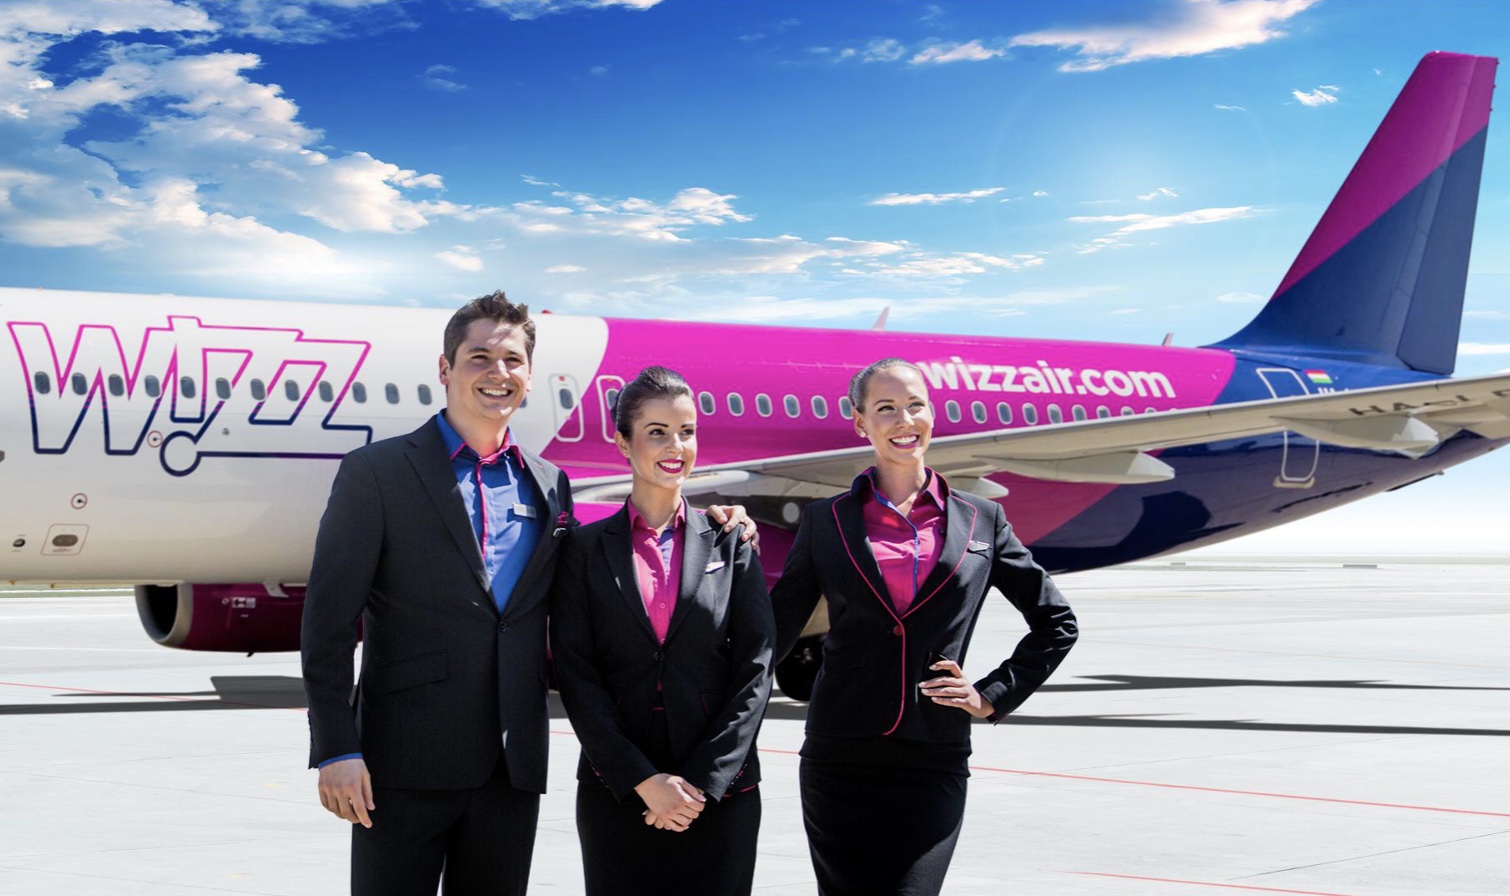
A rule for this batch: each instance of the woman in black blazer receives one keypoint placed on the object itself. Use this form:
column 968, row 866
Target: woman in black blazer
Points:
column 661, row 632
column 906, row 564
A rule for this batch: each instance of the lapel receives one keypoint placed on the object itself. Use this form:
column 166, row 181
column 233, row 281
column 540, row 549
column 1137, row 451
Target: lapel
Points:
column 849, row 516
column 427, row 454
column 960, row 517
column 541, row 563
column 620, row 553
column 697, row 547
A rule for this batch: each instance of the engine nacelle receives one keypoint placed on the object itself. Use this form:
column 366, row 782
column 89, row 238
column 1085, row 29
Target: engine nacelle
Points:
column 233, row 618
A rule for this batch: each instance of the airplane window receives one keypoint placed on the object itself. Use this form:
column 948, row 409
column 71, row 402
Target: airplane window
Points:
column 1150, row 410
column 259, row 391
column 1127, row 411
column 705, row 402
column 328, row 394
column 613, row 398
column 1103, row 412
column 763, row 404
column 564, row 396
column 736, row 404
column 222, row 387
column 42, row 382
column 291, row 389
column 793, row 406
column 390, row 392
column 1030, row 415
column 978, row 411
column 154, row 388
column 424, row 393
column 186, row 387
column 1055, row 415
column 80, row 385
column 358, row 392
column 117, row 385
column 820, row 407
column 1078, row 412
column 951, row 410
column 1004, row 413
column 846, row 410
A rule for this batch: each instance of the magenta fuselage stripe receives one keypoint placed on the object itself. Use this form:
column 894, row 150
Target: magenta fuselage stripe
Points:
column 1447, row 95
column 902, row 701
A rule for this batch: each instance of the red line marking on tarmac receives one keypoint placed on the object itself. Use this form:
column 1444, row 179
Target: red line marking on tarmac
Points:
column 1281, row 796
column 1203, row 883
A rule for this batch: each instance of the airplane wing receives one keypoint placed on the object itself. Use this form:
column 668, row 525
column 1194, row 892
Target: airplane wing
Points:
column 1409, row 419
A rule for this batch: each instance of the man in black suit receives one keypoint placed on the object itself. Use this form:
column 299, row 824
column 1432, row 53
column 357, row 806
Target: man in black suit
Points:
column 438, row 548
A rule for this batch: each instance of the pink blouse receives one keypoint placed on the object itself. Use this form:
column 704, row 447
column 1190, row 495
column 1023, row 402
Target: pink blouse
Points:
column 658, row 566
column 906, row 547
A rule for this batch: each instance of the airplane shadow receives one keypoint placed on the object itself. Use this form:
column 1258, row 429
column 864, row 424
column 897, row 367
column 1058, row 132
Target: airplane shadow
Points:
column 233, row 692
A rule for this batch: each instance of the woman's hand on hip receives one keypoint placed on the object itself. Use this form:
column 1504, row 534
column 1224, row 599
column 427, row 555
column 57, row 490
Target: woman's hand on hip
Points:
column 952, row 688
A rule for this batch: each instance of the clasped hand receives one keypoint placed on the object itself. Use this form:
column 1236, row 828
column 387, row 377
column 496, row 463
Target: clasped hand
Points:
column 953, row 689
column 673, row 803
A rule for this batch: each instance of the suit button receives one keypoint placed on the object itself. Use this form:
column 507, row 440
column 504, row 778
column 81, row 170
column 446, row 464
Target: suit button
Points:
column 657, row 656
column 898, row 630
column 503, row 626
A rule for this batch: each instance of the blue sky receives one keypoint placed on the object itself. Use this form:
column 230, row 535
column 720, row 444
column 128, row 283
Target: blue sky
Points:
column 1101, row 169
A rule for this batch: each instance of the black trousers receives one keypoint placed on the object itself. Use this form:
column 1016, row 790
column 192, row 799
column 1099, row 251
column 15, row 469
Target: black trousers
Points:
column 874, row 831
column 471, row 842
column 624, row 856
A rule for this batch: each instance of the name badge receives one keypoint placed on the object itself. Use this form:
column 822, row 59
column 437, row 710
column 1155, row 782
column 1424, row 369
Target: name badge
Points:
column 715, row 566
column 525, row 510
column 979, row 546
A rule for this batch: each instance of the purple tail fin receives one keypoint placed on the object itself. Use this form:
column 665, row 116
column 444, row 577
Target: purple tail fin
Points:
column 1381, row 278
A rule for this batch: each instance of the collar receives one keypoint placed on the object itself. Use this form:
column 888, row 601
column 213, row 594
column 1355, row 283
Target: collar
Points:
column 936, row 489
column 637, row 521
column 456, row 446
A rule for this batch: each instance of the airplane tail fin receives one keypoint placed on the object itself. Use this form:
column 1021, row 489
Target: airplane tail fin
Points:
column 1381, row 279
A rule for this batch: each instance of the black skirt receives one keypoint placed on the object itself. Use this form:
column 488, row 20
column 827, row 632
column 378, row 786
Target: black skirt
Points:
column 624, row 856
column 877, row 828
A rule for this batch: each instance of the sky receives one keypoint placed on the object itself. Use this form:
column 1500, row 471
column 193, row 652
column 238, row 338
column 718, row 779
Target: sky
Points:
column 1097, row 169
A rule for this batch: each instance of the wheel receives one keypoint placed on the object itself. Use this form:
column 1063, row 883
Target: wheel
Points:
column 795, row 674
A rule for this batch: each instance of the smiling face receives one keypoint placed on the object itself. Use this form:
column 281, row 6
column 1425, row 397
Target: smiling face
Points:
column 896, row 416
column 662, row 442
column 487, row 381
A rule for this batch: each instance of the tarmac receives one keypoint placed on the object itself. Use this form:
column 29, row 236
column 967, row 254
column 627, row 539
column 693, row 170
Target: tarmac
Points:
column 1300, row 726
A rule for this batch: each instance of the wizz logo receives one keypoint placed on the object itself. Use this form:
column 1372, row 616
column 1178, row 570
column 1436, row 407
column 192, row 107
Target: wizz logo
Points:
column 191, row 391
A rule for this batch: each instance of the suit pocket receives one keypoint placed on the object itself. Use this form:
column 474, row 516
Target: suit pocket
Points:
column 850, row 656
column 406, row 673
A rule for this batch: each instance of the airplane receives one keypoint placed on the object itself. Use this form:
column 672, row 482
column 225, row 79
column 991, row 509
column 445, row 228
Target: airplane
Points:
column 187, row 445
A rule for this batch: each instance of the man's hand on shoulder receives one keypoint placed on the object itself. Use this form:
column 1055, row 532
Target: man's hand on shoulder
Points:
column 346, row 790
column 733, row 515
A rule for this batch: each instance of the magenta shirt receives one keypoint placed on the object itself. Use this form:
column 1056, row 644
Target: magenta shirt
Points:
column 906, row 547
column 658, row 566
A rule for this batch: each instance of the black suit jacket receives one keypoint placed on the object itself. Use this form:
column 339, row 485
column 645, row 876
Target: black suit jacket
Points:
column 874, row 657
column 713, row 671
column 446, row 682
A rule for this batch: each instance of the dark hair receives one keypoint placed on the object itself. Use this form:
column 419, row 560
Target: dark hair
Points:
column 652, row 383
column 861, row 380
column 494, row 306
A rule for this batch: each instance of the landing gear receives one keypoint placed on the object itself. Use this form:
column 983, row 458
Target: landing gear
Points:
column 795, row 674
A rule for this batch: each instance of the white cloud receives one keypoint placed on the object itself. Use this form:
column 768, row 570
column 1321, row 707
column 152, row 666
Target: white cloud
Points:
column 1239, row 298
column 956, row 52
column 1480, row 348
column 1185, row 28
column 1040, row 192
column 463, row 258
column 438, row 77
column 1230, row 108
column 881, row 49
column 1321, row 96
column 565, row 269
column 1122, row 311
column 1161, row 191
column 533, row 9
column 633, row 217
column 935, row 198
column 306, row 21
column 1140, row 223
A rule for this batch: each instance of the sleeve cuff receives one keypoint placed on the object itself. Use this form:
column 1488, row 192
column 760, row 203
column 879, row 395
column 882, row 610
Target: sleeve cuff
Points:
column 342, row 758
